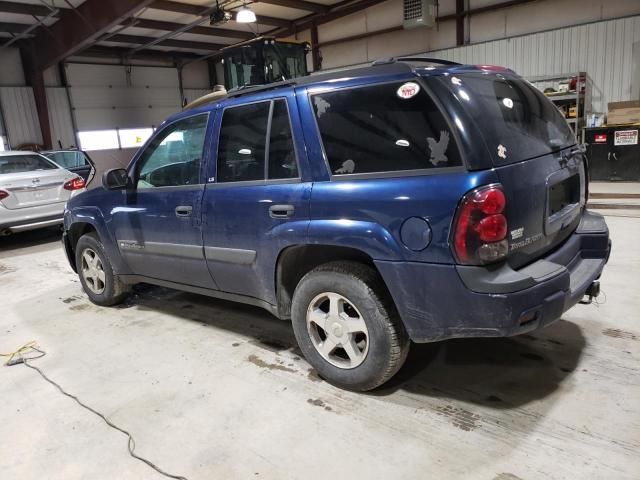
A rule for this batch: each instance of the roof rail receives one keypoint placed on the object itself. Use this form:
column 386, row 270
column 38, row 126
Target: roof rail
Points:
column 436, row 61
column 246, row 89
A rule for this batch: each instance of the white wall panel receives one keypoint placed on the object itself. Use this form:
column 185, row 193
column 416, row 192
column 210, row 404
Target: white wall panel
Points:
column 604, row 50
column 117, row 96
column 60, row 118
column 510, row 22
column 11, row 73
column 84, row 75
column 20, row 115
column 195, row 75
column 154, row 77
column 192, row 93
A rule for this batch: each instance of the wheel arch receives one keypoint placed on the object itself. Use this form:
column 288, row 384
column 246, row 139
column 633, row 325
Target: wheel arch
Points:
column 294, row 262
column 81, row 220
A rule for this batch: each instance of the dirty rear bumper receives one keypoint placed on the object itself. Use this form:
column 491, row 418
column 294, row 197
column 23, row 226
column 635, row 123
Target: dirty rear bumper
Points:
column 437, row 301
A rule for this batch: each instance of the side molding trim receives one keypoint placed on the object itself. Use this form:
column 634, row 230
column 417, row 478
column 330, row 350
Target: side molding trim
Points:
column 230, row 255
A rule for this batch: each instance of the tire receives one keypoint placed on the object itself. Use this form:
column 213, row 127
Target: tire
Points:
column 104, row 290
column 366, row 305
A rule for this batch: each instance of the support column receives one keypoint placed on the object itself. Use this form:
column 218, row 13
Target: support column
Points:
column 213, row 77
column 459, row 22
column 35, row 79
column 316, row 59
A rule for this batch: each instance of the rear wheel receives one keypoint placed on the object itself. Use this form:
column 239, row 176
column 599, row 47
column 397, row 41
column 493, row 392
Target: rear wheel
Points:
column 347, row 326
column 100, row 283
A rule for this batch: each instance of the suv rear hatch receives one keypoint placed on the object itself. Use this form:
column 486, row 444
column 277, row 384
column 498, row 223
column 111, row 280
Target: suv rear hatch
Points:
column 533, row 152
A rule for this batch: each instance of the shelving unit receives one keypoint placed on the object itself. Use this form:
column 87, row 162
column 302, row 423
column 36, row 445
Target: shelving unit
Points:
column 580, row 97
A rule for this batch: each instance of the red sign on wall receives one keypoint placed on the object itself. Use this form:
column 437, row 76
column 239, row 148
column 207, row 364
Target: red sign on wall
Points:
column 600, row 138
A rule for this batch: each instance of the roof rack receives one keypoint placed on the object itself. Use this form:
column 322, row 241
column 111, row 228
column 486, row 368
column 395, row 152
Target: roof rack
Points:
column 246, row 89
column 436, row 61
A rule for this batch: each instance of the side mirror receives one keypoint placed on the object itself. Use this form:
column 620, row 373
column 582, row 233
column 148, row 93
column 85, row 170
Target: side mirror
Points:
column 115, row 179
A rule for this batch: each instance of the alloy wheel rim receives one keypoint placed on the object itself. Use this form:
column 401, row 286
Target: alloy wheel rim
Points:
column 337, row 330
column 93, row 271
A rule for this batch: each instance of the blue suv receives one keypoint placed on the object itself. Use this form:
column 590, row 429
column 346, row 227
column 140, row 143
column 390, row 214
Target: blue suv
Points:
column 412, row 200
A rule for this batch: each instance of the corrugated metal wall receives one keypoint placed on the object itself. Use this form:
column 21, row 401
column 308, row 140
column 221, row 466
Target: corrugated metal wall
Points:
column 60, row 118
column 603, row 50
column 20, row 115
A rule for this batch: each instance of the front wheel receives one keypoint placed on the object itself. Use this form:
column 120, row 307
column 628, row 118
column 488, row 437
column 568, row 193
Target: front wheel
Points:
column 347, row 326
column 100, row 283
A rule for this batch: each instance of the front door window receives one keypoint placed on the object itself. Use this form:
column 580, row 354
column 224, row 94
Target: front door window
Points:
column 174, row 156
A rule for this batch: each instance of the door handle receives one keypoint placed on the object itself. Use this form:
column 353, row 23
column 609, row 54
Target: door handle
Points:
column 281, row 211
column 184, row 211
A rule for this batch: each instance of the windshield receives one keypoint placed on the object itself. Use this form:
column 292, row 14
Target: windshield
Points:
column 284, row 61
column 24, row 163
column 516, row 119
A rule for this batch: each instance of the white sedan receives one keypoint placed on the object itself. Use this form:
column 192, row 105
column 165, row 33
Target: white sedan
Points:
column 33, row 191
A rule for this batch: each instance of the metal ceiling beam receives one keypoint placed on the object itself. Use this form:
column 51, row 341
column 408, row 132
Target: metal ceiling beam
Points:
column 13, row 27
column 190, row 9
column 110, row 52
column 78, row 27
column 338, row 10
column 299, row 5
column 199, row 30
column 441, row 19
column 24, row 9
column 142, row 40
column 30, row 28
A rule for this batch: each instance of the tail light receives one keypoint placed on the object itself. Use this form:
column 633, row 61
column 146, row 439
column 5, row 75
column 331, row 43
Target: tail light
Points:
column 74, row 184
column 480, row 227
column 3, row 194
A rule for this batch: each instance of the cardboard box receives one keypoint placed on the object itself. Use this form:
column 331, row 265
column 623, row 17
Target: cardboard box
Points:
column 623, row 112
column 623, row 115
column 628, row 104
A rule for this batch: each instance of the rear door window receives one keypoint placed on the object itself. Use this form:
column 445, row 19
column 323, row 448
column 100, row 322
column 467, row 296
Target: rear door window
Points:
column 376, row 129
column 256, row 143
column 24, row 163
column 516, row 119
column 69, row 159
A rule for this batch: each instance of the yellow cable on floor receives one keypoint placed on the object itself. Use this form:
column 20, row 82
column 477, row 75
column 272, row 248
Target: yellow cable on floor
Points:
column 32, row 345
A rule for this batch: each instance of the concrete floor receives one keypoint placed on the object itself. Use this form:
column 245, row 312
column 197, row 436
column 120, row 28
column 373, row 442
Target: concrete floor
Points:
column 212, row 389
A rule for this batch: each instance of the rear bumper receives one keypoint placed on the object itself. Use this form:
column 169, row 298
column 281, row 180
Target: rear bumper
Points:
column 30, row 224
column 30, row 218
column 437, row 302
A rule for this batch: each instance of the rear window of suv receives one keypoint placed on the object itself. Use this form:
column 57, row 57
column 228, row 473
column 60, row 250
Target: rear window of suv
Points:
column 511, row 113
column 377, row 129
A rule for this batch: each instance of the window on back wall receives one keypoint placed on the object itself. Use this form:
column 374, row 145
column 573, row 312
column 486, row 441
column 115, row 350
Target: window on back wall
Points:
column 134, row 137
column 99, row 140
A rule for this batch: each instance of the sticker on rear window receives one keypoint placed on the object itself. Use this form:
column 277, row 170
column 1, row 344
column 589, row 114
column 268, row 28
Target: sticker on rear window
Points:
column 439, row 148
column 502, row 151
column 348, row 166
column 408, row 90
column 321, row 106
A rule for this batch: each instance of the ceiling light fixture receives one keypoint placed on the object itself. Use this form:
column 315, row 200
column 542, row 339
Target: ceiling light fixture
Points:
column 245, row 15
